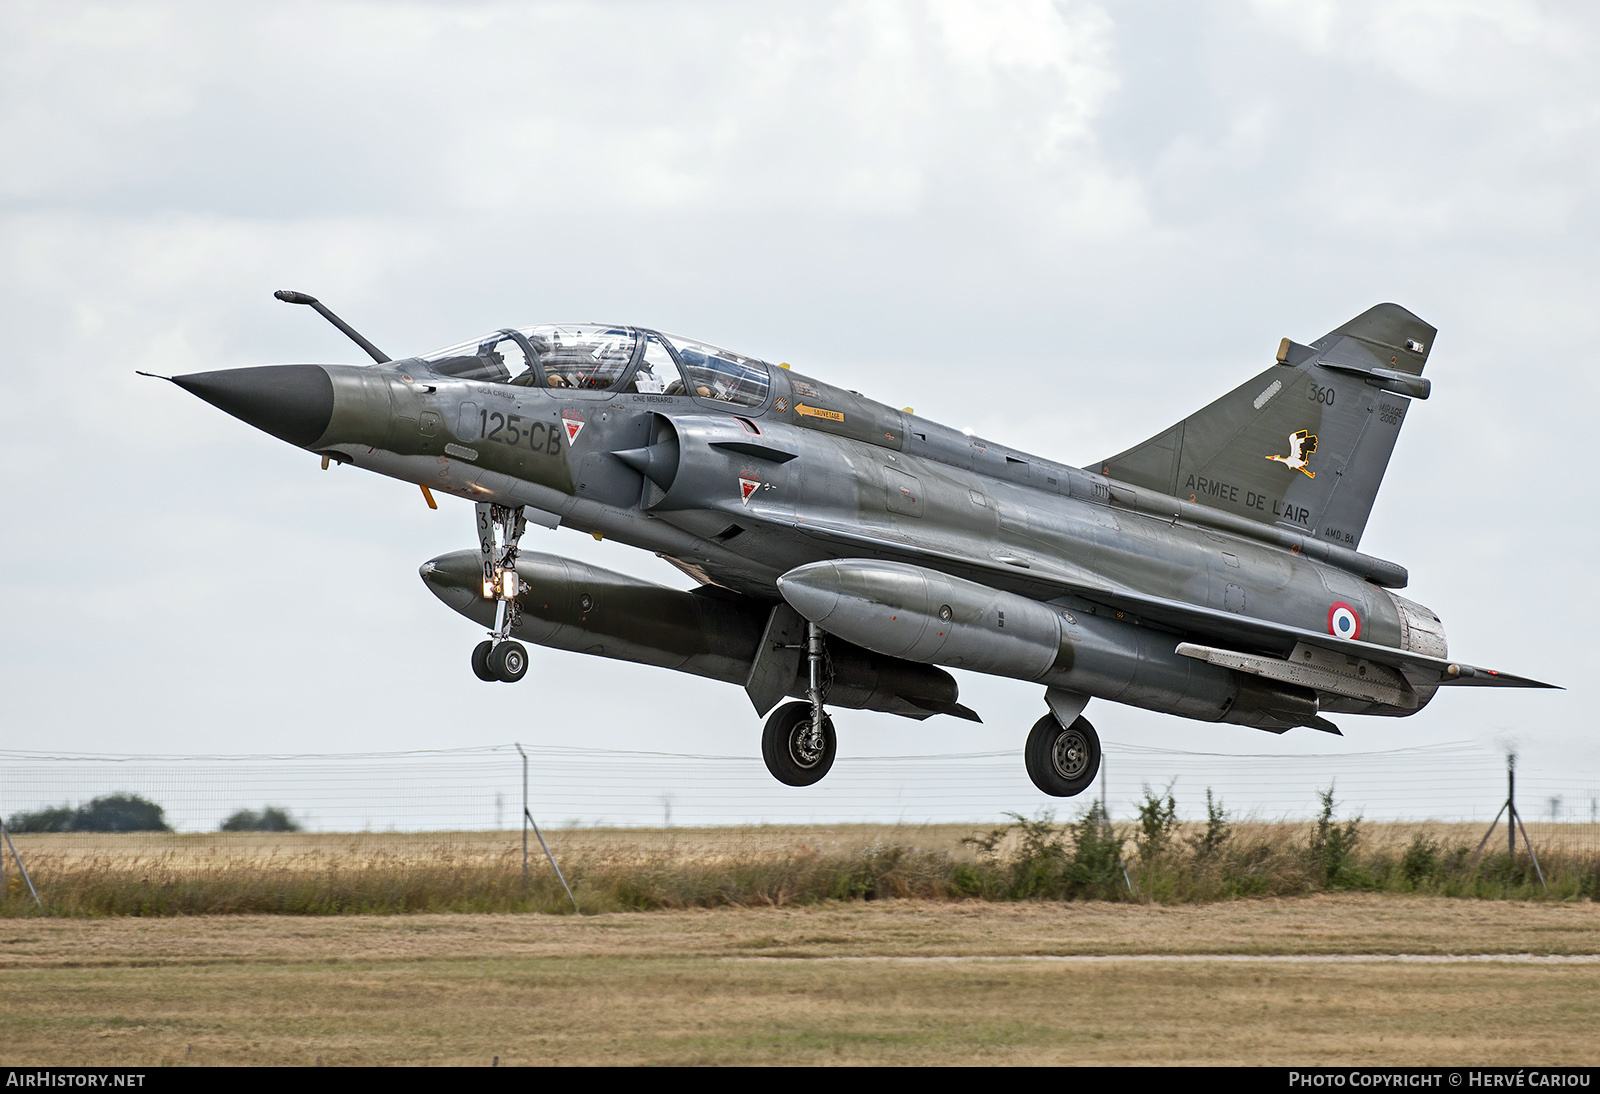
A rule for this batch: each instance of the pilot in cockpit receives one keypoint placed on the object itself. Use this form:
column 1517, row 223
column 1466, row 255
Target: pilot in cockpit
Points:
column 699, row 367
column 646, row 382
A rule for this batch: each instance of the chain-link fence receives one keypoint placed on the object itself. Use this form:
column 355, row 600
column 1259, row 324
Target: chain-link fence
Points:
column 482, row 790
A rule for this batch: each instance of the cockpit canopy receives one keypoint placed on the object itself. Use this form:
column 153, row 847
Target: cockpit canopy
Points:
column 592, row 357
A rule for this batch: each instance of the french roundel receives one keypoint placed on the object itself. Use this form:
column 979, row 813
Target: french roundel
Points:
column 1343, row 622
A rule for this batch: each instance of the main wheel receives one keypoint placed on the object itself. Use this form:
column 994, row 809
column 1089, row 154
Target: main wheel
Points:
column 793, row 757
column 508, row 661
column 1062, row 761
column 480, row 662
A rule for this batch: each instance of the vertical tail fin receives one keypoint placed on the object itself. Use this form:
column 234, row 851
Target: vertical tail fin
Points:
column 1304, row 444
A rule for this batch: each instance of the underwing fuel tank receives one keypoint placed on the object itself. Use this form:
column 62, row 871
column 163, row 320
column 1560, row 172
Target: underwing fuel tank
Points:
column 569, row 605
column 917, row 614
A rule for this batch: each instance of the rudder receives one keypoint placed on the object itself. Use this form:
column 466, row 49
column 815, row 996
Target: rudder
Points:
column 1304, row 444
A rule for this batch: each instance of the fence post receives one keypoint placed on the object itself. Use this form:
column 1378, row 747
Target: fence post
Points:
column 1511, row 802
column 527, row 819
column 1513, row 821
column 4, row 833
column 525, row 816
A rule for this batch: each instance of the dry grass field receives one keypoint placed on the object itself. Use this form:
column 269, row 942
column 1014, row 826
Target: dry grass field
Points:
column 610, row 870
column 313, row 851
column 618, row 846
column 1327, row 978
column 1312, row 980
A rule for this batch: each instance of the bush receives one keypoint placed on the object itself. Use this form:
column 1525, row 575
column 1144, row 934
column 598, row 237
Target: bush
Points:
column 1034, row 868
column 1155, row 841
column 1422, row 860
column 1209, row 844
column 1332, row 850
column 121, row 812
column 1096, row 871
column 1158, row 819
column 1333, row 846
column 1033, row 859
column 270, row 819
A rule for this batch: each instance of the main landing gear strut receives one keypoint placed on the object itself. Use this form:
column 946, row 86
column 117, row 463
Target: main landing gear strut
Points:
column 500, row 657
column 798, row 742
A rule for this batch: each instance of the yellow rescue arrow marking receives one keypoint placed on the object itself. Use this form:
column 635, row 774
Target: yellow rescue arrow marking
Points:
column 818, row 412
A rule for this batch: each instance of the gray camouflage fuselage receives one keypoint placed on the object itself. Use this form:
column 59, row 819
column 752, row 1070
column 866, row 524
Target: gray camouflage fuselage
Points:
column 1211, row 572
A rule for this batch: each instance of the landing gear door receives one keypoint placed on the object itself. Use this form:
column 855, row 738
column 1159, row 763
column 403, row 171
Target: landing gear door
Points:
column 777, row 659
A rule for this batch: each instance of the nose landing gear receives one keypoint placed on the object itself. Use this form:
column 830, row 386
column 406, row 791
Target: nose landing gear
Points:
column 500, row 658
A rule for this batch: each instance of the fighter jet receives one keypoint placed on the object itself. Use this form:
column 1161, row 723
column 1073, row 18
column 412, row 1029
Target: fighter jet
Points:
column 847, row 553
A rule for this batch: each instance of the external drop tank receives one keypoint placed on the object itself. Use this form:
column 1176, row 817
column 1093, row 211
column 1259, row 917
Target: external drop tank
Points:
column 916, row 614
column 570, row 605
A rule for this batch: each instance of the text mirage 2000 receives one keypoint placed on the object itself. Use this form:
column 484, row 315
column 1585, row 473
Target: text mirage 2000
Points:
column 848, row 553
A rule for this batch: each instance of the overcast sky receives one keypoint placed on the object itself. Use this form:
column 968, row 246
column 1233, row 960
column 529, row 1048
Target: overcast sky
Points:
column 1062, row 225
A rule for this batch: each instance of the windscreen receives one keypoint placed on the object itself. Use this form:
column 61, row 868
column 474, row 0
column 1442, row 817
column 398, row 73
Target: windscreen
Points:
column 714, row 373
column 582, row 356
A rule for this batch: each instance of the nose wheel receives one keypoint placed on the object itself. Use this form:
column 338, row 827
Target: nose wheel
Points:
column 506, row 662
column 500, row 658
column 480, row 662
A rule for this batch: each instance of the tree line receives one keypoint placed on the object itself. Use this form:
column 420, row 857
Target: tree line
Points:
column 124, row 812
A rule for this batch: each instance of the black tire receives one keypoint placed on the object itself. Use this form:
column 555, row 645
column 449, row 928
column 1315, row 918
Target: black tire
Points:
column 1062, row 762
column 783, row 746
column 508, row 661
column 480, row 662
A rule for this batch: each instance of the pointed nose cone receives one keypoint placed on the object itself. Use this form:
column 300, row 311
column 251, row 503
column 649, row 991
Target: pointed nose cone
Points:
column 292, row 402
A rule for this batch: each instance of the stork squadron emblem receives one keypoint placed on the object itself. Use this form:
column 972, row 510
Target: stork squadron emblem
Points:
column 1302, row 443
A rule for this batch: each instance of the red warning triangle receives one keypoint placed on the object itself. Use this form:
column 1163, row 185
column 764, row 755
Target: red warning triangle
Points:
column 574, row 427
column 748, row 486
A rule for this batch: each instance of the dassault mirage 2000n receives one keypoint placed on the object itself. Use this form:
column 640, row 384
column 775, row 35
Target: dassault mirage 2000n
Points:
column 849, row 553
